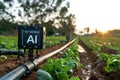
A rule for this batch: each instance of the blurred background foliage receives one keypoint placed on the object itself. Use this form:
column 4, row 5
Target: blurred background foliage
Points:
column 52, row 14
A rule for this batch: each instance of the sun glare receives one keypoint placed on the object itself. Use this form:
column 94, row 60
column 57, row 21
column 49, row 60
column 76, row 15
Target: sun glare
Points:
column 96, row 14
column 103, row 30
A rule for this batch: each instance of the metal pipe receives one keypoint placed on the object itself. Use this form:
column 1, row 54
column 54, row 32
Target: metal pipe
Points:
column 41, row 59
column 16, row 74
column 28, row 67
column 11, row 52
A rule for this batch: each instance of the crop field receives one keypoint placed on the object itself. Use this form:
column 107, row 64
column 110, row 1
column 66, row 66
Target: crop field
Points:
column 11, row 43
column 60, row 68
column 100, row 60
column 46, row 40
column 108, row 51
column 98, row 42
column 8, row 43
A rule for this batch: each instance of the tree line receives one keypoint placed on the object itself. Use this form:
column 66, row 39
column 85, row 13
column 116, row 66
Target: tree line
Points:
column 52, row 14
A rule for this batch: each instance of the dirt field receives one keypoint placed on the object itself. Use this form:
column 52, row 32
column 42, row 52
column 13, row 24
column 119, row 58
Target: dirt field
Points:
column 93, row 68
column 12, row 62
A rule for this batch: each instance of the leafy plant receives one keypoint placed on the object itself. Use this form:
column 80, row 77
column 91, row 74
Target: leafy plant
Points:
column 74, row 78
column 57, row 69
column 103, row 56
column 113, row 64
column 61, row 68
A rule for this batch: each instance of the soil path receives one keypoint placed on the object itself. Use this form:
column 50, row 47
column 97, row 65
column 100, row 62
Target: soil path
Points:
column 92, row 66
column 84, row 59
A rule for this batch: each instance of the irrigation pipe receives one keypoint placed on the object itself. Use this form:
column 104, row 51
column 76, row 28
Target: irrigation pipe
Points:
column 28, row 67
column 11, row 52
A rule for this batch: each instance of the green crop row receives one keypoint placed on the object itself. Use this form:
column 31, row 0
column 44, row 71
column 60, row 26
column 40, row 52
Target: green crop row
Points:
column 62, row 68
column 11, row 43
column 8, row 43
column 54, row 40
column 97, row 44
column 109, row 42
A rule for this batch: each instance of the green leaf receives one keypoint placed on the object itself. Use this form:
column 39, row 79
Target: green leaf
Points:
column 62, row 76
column 74, row 78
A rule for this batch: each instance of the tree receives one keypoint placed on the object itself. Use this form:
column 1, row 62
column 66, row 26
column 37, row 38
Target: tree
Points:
column 7, row 27
column 87, row 29
column 50, row 28
column 68, row 25
column 34, row 11
column 39, row 12
column 5, row 13
column 66, row 22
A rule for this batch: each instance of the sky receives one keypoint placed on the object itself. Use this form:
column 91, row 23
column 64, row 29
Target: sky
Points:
column 96, row 14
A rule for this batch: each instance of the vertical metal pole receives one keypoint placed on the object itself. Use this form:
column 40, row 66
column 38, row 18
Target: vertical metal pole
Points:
column 24, row 55
column 37, row 55
column 30, row 54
